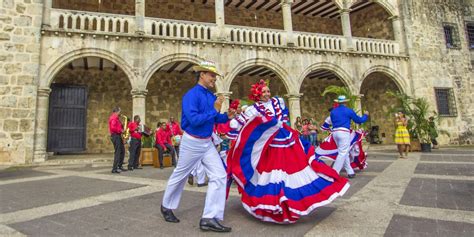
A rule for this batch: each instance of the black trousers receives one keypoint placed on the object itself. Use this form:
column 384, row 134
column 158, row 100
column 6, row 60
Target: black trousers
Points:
column 161, row 151
column 135, row 147
column 433, row 140
column 119, row 151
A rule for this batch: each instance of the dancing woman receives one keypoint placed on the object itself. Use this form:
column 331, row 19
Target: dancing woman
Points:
column 277, row 175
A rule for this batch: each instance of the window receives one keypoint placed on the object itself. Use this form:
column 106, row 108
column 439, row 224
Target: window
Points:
column 470, row 34
column 451, row 35
column 445, row 102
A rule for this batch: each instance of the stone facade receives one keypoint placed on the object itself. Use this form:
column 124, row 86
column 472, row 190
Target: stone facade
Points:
column 408, row 53
column 20, row 23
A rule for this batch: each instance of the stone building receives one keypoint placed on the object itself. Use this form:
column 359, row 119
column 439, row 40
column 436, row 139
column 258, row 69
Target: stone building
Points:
column 65, row 63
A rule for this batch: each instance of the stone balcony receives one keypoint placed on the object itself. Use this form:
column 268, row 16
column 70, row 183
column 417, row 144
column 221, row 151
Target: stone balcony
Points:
column 125, row 26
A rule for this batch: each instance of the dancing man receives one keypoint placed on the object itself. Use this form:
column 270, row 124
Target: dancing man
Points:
column 200, row 112
column 341, row 117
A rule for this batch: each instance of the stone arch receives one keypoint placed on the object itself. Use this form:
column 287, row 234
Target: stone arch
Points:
column 390, row 72
column 155, row 66
column 343, row 75
column 385, row 5
column 279, row 71
column 53, row 69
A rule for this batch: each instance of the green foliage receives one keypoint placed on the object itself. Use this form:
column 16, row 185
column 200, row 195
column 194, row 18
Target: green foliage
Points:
column 148, row 141
column 342, row 90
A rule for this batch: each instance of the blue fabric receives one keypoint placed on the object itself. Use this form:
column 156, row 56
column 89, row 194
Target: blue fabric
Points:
column 341, row 117
column 199, row 115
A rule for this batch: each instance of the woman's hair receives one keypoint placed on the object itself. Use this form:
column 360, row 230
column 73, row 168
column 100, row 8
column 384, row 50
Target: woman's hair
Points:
column 158, row 124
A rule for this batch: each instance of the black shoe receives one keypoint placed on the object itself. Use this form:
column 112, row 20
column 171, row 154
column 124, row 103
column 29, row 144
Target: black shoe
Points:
column 351, row 176
column 168, row 215
column 122, row 169
column 116, row 171
column 130, row 168
column 213, row 224
column 202, row 185
column 138, row 168
column 190, row 180
column 161, row 167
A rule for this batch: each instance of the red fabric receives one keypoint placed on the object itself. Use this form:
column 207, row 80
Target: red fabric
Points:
column 133, row 128
column 235, row 104
column 223, row 128
column 174, row 129
column 115, row 126
column 162, row 137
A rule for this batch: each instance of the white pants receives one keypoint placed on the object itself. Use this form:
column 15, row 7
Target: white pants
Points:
column 199, row 173
column 343, row 142
column 192, row 152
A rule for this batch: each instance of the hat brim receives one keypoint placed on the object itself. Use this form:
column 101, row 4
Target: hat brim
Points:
column 198, row 68
column 341, row 101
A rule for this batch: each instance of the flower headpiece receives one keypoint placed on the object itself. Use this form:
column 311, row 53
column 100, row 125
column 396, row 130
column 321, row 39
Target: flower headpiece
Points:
column 256, row 90
column 235, row 104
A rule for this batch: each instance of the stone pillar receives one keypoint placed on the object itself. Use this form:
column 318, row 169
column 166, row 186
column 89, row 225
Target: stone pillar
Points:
column 140, row 17
column 287, row 22
column 294, row 106
column 225, row 105
column 397, row 33
column 139, row 104
column 47, row 5
column 358, row 105
column 220, row 20
column 41, row 125
column 346, row 27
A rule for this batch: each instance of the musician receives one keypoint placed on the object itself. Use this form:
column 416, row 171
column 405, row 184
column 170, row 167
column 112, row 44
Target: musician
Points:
column 163, row 143
column 116, row 130
column 135, row 143
column 176, row 133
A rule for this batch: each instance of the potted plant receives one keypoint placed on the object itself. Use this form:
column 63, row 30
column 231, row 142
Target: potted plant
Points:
column 148, row 153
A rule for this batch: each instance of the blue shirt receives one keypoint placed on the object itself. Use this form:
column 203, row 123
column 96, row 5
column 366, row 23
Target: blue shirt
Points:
column 199, row 115
column 341, row 117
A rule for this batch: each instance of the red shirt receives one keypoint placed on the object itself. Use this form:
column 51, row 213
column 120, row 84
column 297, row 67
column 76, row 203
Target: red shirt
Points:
column 174, row 129
column 162, row 137
column 115, row 126
column 133, row 127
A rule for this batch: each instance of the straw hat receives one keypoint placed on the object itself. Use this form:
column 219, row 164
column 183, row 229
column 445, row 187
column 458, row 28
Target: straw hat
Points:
column 206, row 66
column 341, row 99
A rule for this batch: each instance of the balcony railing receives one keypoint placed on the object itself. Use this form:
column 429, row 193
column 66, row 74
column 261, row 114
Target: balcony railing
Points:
column 376, row 46
column 91, row 21
column 178, row 29
column 175, row 29
column 256, row 36
column 320, row 41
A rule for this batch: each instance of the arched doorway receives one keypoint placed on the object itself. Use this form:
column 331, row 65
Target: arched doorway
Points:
column 86, row 88
column 369, row 19
column 247, row 76
column 375, row 100
column 313, row 104
column 166, row 88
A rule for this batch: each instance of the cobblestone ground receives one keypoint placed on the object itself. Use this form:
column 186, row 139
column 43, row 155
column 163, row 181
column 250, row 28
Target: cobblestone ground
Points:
column 429, row 194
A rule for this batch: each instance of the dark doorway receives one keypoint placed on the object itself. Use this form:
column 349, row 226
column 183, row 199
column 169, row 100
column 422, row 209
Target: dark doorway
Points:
column 67, row 118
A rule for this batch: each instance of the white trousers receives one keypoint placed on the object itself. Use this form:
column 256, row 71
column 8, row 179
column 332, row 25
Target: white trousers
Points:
column 199, row 173
column 193, row 151
column 343, row 142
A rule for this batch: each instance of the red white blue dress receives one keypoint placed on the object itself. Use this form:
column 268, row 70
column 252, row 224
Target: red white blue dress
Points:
column 278, row 176
column 328, row 148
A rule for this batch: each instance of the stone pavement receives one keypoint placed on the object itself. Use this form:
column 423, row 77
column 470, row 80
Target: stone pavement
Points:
column 429, row 194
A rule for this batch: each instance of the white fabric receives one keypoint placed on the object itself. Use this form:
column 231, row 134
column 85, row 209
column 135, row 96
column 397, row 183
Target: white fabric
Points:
column 252, row 112
column 199, row 173
column 192, row 152
column 343, row 142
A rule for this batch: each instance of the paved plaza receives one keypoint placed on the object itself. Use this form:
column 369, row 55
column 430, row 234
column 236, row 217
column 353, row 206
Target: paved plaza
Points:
column 429, row 194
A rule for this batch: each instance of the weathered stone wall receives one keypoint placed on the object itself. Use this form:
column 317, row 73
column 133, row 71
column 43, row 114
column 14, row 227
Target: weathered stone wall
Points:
column 165, row 93
column 313, row 105
column 126, row 7
column 106, row 89
column 435, row 65
column 316, row 24
column 372, row 22
column 378, row 103
column 20, row 23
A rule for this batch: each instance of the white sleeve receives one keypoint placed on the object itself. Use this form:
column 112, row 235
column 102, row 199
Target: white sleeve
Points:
column 282, row 102
column 239, row 121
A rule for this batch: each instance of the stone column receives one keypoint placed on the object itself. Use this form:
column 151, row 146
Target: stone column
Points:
column 139, row 104
column 220, row 20
column 47, row 5
column 140, row 17
column 287, row 22
column 397, row 33
column 346, row 27
column 41, row 125
column 225, row 105
column 294, row 106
